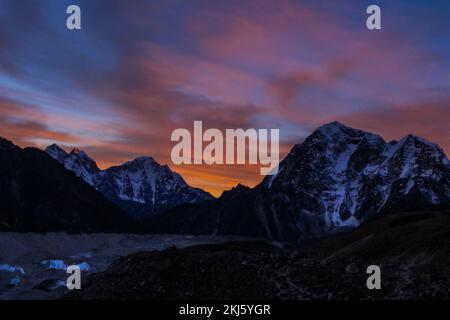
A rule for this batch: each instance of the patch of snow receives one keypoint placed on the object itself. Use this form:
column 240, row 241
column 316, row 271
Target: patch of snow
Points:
column 15, row 281
column 445, row 161
column 408, row 165
column 84, row 266
column 370, row 169
column 409, row 186
column 11, row 268
column 59, row 284
column 271, row 178
column 354, row 194
column 339, row 198
column 350, row 222
column 54, row 264
column 58, row 264
column 432, row 196
column 428, row 173
column 342, row 160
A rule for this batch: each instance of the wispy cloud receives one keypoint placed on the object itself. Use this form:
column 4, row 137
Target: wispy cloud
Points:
column 138, row 70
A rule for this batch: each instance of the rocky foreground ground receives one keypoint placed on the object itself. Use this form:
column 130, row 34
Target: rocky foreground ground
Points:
column 33, row 265
column 412, row 250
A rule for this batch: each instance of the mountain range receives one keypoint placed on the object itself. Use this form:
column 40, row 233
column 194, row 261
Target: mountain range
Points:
column 336, row 179
column 141, row 187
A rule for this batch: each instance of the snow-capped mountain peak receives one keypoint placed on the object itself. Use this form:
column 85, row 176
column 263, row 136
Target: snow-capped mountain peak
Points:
column 333, row 129
column 147, row 164
column 419, row 146
column 336, row 131
column 77, row 161
column 141, row 186
column 56, row 152
column 345, row 175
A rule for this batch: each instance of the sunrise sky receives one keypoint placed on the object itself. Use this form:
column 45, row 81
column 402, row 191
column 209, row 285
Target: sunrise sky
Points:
column 139, row 69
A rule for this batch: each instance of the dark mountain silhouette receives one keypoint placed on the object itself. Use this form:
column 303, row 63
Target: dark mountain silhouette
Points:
column 39, row 194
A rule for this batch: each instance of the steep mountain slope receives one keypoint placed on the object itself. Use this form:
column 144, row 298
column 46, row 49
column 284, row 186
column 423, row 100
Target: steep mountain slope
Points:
column 76, row 161
column 38, row 194
column 337, row 178
column 344, row 176
column 141, row 187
